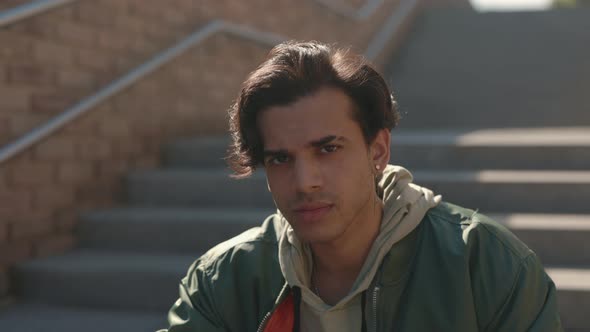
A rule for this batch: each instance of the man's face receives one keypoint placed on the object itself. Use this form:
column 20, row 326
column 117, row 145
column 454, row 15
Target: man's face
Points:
column 318, row 167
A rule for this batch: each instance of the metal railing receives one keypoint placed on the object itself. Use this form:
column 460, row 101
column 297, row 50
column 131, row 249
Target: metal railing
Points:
column 29, row 9
column 361, row 13
column 265, row 38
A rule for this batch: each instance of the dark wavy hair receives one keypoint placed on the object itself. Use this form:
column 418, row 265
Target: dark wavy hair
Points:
column 296, row 69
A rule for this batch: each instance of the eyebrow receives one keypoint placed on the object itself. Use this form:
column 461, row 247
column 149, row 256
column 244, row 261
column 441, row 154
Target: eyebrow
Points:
column 315, row 143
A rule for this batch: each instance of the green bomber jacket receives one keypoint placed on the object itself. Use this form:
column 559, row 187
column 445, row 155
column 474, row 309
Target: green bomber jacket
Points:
column 457, row 271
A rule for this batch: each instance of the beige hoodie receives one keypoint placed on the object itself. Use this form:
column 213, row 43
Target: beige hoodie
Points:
column 405, row 204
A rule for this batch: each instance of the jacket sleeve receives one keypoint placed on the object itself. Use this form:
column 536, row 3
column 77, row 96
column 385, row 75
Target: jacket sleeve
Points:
column 194, row 311
column 531, row 304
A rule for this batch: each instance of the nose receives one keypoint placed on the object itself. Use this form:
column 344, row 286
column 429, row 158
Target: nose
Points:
column 308, row 176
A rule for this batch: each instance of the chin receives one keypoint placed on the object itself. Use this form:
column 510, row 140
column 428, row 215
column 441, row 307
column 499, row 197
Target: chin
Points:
column 315, row 235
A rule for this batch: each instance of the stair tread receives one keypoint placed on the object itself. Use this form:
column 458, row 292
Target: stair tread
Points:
column 17, row 317
column 463, row 137
column 503, row 137
column 178, row 214
column 544, row 221
column 574, row 279
column 483, row 176
column 541, row 221
column 84, row 260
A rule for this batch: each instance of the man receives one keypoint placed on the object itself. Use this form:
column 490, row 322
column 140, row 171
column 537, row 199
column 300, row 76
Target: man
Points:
column 354, row 245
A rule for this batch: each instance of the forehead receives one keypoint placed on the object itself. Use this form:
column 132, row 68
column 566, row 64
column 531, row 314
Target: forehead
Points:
column 329, row 111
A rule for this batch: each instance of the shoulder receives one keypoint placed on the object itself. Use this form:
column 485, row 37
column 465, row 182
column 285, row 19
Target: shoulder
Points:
column 471, row 230
column 497, row 264
column 246, row 248
column 244, row 267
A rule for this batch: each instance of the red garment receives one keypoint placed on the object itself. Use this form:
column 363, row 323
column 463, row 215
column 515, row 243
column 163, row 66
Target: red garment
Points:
column 282, row 319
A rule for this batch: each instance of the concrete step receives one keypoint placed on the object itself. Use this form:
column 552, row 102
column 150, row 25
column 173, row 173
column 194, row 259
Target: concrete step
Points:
column 512, row 191
column 467, row 69
column 505, row 191
column 93, row 279
column 197, row 188
column 557, row 239
column 165, row 230
column 32, row 317
column 145, row 283
column 191, row 152
column 573, row 296
column 458, row 149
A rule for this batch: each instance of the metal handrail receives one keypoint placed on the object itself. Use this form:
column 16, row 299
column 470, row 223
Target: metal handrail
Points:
column 133, row 76
column 264, row 38
column 27, row 10
column 391, row 26
column 362, row 13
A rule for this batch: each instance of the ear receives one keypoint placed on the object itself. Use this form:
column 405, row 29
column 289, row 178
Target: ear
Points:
column 380, row 149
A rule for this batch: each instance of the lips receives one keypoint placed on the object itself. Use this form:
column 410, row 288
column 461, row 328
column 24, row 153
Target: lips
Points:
column 311, row 212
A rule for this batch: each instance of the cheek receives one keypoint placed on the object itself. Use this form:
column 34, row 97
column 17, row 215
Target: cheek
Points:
column 278, row 183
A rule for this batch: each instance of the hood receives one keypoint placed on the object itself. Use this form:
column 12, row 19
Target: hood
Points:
column 404, row 206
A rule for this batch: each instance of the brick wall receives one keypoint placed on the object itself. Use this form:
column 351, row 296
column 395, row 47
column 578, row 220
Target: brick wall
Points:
column 50, row 61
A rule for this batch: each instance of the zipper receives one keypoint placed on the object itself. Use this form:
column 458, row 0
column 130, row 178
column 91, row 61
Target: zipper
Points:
column 264, row 321
column 280, row 299
column 375, row 297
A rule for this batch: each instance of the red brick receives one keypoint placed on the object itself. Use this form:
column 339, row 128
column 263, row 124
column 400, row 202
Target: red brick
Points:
column 112, row 126
column 75, row 78
column 55, row 148
column 144, row 47
column 83, row 126
column 91, row 13
column 102, row 194
column 52, row 53
column 22, row 230
column 30, row 74
column 14, row 98
column 14, row 252
column 54, row 244
column 22, row 123
column 31, row 215
column 66, row 219
column 114, row 40
column 75, row 172
column 14, row 203
column 94, row 59
column 147, row 162
column 77, row 34
column 131, row 23
column 3, row 232
column 33, row 174
column 127, row 148
column 53, row 197
column 52, row 102
column 14, row 46
column 93, row 149
column 175, row 17
column 113, row 168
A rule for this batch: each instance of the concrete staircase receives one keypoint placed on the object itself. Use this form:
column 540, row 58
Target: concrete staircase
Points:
column 496, row 117
column 461, row 74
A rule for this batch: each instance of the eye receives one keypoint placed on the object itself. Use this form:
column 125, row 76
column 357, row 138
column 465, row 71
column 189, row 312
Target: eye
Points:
column 277, row 160
column 330, row 148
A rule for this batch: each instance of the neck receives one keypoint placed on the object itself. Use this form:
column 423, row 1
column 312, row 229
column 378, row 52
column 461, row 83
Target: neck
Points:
column 343, row 258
